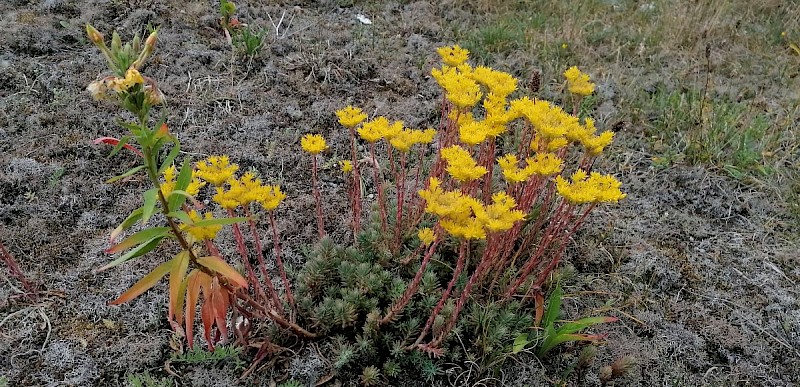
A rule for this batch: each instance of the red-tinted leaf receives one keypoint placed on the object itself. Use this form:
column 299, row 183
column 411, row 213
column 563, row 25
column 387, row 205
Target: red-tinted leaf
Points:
column 113, row 141
column 219, row 266
column 220, row 307
column 145, row 283
column 207, row 315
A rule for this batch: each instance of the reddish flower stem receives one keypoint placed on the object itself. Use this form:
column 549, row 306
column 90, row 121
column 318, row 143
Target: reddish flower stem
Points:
column 240, row 245
column 401, row 189
column 356, row 184
column 412, row 287
column 279, row 262
column 462, row 256
column 317, row 196
column 379, row 187
column 262, row 264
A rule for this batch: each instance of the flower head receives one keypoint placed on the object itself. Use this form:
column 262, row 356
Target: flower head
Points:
column 374, row 130
column 350, row 116
column 270, row 196
column 216, row 170
column 578, row 82
column 121, row 85
column 201, row 233
column 313, row 143
column 461, row 165
column 346, row 166
column 426, row 236
column 453, row 55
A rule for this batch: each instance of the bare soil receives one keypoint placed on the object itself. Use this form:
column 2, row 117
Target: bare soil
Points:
column 701, row 270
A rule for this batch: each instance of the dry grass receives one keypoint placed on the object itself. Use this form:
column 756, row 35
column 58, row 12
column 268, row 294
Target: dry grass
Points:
column 711, row 82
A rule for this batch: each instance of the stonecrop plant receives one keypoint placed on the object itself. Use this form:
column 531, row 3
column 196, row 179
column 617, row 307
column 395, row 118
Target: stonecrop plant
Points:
column 470, row 221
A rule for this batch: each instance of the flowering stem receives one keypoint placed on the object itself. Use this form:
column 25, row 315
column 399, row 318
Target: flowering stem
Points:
column 412, row 287
column 251, row 274
column 279, row 262
column 261, row 264
column 378, row 186
column 356, row 185
column 484, row 263
column 317, row 196
column 462, row 255
column 400, row 198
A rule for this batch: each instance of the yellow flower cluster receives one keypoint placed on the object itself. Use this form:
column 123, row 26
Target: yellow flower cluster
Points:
column 463, row 216
column 219, row 171
column 589, row 188
column 248, row 189
column 350, row 116
column 541, row 164
column 313, row 143
column 461, row 165
column 460, row 89
column 346, row 165
column 426, row 236
column 216, row 170
column 201, row 233
column 121, row 85
column 453, row 55
column 170, row 176
column 578, row 82
column 398, row 137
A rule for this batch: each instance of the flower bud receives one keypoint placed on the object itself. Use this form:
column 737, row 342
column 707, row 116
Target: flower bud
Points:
column 149, row 45
column 95, row 36
column 116, row 43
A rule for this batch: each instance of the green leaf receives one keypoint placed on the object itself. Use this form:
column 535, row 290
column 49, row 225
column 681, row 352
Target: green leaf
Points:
column 127, row 223
column 145, row 283
column 138, row 238
column 558, row 339
column 520, row 343
column 583, row 323
column 124, row 175
column 150, row 200
column 220, row 266
column 553, row 307
column 181, row 194
column 180, row 215
column 219, row 221
column 181, row 183
column 140, row 250
column 173, row 153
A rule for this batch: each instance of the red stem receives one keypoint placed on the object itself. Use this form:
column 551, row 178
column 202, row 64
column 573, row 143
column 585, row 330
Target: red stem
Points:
column 400, row 198
column 462, row 256
column 412, row 287
column 317, row 196
column 279, row 262
column 356, row 185
column 261, row 263
column 379, row 187
column 251, row 274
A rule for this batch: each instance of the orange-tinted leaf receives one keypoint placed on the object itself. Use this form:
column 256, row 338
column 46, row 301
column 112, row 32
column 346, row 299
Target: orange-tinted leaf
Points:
column 218, row 265
column 145, row 283
column 192, row 293
column 539, row 300
column 176, row 276
column 207, row 315
column 220, row 302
